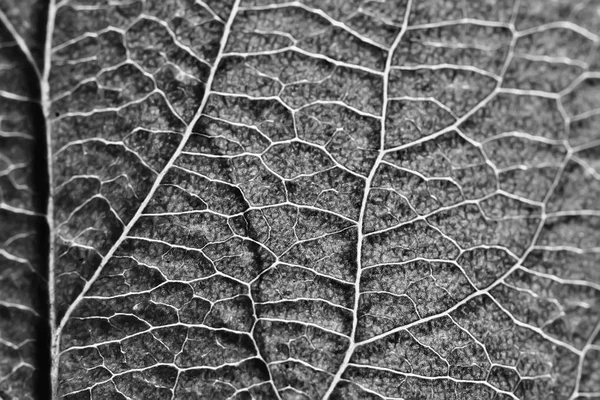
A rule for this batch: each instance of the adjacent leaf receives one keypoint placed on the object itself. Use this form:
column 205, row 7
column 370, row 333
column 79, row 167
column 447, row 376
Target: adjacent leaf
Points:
column 24, row 316
column 300, row 199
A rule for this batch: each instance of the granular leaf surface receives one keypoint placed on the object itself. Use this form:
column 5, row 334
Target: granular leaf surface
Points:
column 270, row 199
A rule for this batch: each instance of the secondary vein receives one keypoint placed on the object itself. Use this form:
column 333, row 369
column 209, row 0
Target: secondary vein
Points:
column 386, row 76
column 55, row 346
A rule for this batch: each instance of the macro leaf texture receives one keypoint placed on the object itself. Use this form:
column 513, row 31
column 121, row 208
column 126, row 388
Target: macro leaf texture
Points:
column 303, row 199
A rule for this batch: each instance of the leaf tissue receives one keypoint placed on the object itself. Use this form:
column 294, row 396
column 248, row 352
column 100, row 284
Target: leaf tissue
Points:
column 299, row 199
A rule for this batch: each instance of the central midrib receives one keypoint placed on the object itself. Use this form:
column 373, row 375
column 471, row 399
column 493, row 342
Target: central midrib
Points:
column 362, row 211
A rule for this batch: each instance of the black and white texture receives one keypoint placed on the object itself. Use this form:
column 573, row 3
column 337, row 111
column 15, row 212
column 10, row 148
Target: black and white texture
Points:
column 312, row 199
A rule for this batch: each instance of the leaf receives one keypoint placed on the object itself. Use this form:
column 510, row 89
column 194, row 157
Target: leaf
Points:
column 264, row 199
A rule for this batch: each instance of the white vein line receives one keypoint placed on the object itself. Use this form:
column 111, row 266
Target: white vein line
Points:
column 592, row 37
column 57, row 334
column 386, row 77
column 440, row 66
column 588, row 345
column 299, row 50
column 20, row 43
column 46, row 109
column 320, row 13
column 449, row 378
column 460, row 22
column 18, row 210
column 16, row 97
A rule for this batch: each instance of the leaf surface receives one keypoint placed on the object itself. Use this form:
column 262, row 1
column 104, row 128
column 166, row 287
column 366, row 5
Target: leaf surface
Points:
column 267, row 199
